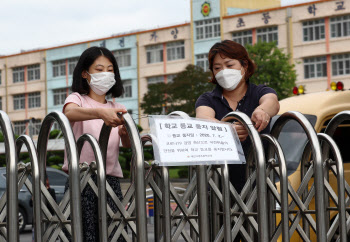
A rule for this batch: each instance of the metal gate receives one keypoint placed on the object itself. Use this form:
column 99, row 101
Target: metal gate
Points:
column 210, row 206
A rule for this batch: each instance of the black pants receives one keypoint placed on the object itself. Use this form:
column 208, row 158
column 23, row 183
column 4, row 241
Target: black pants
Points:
column 89, row 207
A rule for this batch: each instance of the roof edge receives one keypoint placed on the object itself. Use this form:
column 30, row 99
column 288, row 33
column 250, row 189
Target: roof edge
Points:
column 93, row 40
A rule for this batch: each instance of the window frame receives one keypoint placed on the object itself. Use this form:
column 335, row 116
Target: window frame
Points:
column 59, row 68
column 127, row 84
column 243, row 37
column 19, row 101
column 19, row 126
column 123, row 57
column 202, row 61
column 268, row 32
column 342, row 22
column 175, row 50
column 34, row 100
column 154, row 53
column 37, row 125
column 18, row 74
column 155, row 79
column 72, row 63
column 311, row 28
column 33, row 72
column 207, row 28
column 338, row 61
column 313, row 63
column 61, row 94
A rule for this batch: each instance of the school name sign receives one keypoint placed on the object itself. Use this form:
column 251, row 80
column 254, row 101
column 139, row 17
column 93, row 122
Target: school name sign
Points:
column 177, row 141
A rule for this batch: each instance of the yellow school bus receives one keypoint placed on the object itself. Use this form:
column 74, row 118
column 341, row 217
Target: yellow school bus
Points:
column 319, row 108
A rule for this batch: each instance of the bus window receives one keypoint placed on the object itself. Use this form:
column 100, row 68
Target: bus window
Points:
column 341, row 137
column 293, row 140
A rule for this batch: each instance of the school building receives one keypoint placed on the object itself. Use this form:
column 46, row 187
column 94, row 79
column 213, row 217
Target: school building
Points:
column 315, row 34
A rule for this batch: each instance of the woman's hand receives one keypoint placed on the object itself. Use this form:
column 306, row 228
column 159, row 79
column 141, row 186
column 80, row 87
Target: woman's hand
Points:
column 241, row 131
column 110, row 117
column 260, row 118
column 123, row 133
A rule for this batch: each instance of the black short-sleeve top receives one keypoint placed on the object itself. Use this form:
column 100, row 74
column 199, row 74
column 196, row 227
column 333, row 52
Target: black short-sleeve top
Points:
column 216, row 100
column 247, row 105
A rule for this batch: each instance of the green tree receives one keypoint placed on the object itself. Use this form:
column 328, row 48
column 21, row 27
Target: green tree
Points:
column 273, row 68
column 179, row 95
column 154, row 98
column 186, row 88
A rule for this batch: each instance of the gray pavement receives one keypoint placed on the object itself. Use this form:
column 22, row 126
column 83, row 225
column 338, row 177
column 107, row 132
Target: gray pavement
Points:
column 26, row 236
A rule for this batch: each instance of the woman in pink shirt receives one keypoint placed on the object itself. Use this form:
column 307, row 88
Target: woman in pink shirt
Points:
column 95, row 76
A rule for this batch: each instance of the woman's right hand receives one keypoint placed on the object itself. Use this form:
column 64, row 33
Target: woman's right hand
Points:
column 241, row 131
column 110, row 117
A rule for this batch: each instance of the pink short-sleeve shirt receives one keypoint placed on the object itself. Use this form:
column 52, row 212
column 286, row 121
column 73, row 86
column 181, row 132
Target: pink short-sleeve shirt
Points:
column 93, row 127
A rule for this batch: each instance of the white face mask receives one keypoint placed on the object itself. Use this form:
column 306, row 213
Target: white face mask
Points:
column 101, row 82
column 228, row 79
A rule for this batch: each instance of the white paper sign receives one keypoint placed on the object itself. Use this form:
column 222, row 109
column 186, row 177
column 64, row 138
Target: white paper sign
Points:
column 178, row 141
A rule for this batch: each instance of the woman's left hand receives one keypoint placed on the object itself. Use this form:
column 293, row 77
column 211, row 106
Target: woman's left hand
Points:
column 260, row 118
column 123, row 133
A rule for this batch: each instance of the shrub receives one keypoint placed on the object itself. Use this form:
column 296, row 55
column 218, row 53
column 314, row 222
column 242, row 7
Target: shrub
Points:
column 126, row 174
column 54, row 133
column 55, row 160
column 183, row 172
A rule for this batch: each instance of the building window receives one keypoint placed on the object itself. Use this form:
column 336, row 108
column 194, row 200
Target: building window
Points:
column 19, row 127
column 123, row 57
column 154, row 53
column 72, row 62
column 34, row 72
column 314, row 30
column 18, row 74
column 208, row 28
column 127, row 89
column 175, row 50
column 170, row 78
column 35, row 126
column 243, row 37
column 202, row 61
column 34, row 100
column 0, row 77
column 315, row 67
column 56, row 126
column 268, row 34
column 0, row 103
column 19, row 102
column 59, row 68
column 341, row 64
column 59, row 96
column 155, row 79
column 340, row 26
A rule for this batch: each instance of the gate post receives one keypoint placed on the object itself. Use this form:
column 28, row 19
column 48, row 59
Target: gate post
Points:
column 137, row 150
column 203, row 214
column 261, row 169
column 73, row 163
column 318, row 165
column 12, row 178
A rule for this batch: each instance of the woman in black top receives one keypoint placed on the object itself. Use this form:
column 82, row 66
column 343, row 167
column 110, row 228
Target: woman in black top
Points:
column 231, row 68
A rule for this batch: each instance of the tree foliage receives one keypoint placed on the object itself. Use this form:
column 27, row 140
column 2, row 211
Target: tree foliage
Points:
column 179, row 95
column 273, row 68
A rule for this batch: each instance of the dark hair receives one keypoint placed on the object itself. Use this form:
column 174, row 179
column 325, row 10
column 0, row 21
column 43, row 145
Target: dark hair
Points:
column 86, row 59
column 231, row 50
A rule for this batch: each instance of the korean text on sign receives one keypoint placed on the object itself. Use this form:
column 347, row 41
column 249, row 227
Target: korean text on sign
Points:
column 178, row 141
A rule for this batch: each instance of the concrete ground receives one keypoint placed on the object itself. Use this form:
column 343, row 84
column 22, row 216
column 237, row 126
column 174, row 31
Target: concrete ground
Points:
column 26, row 236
